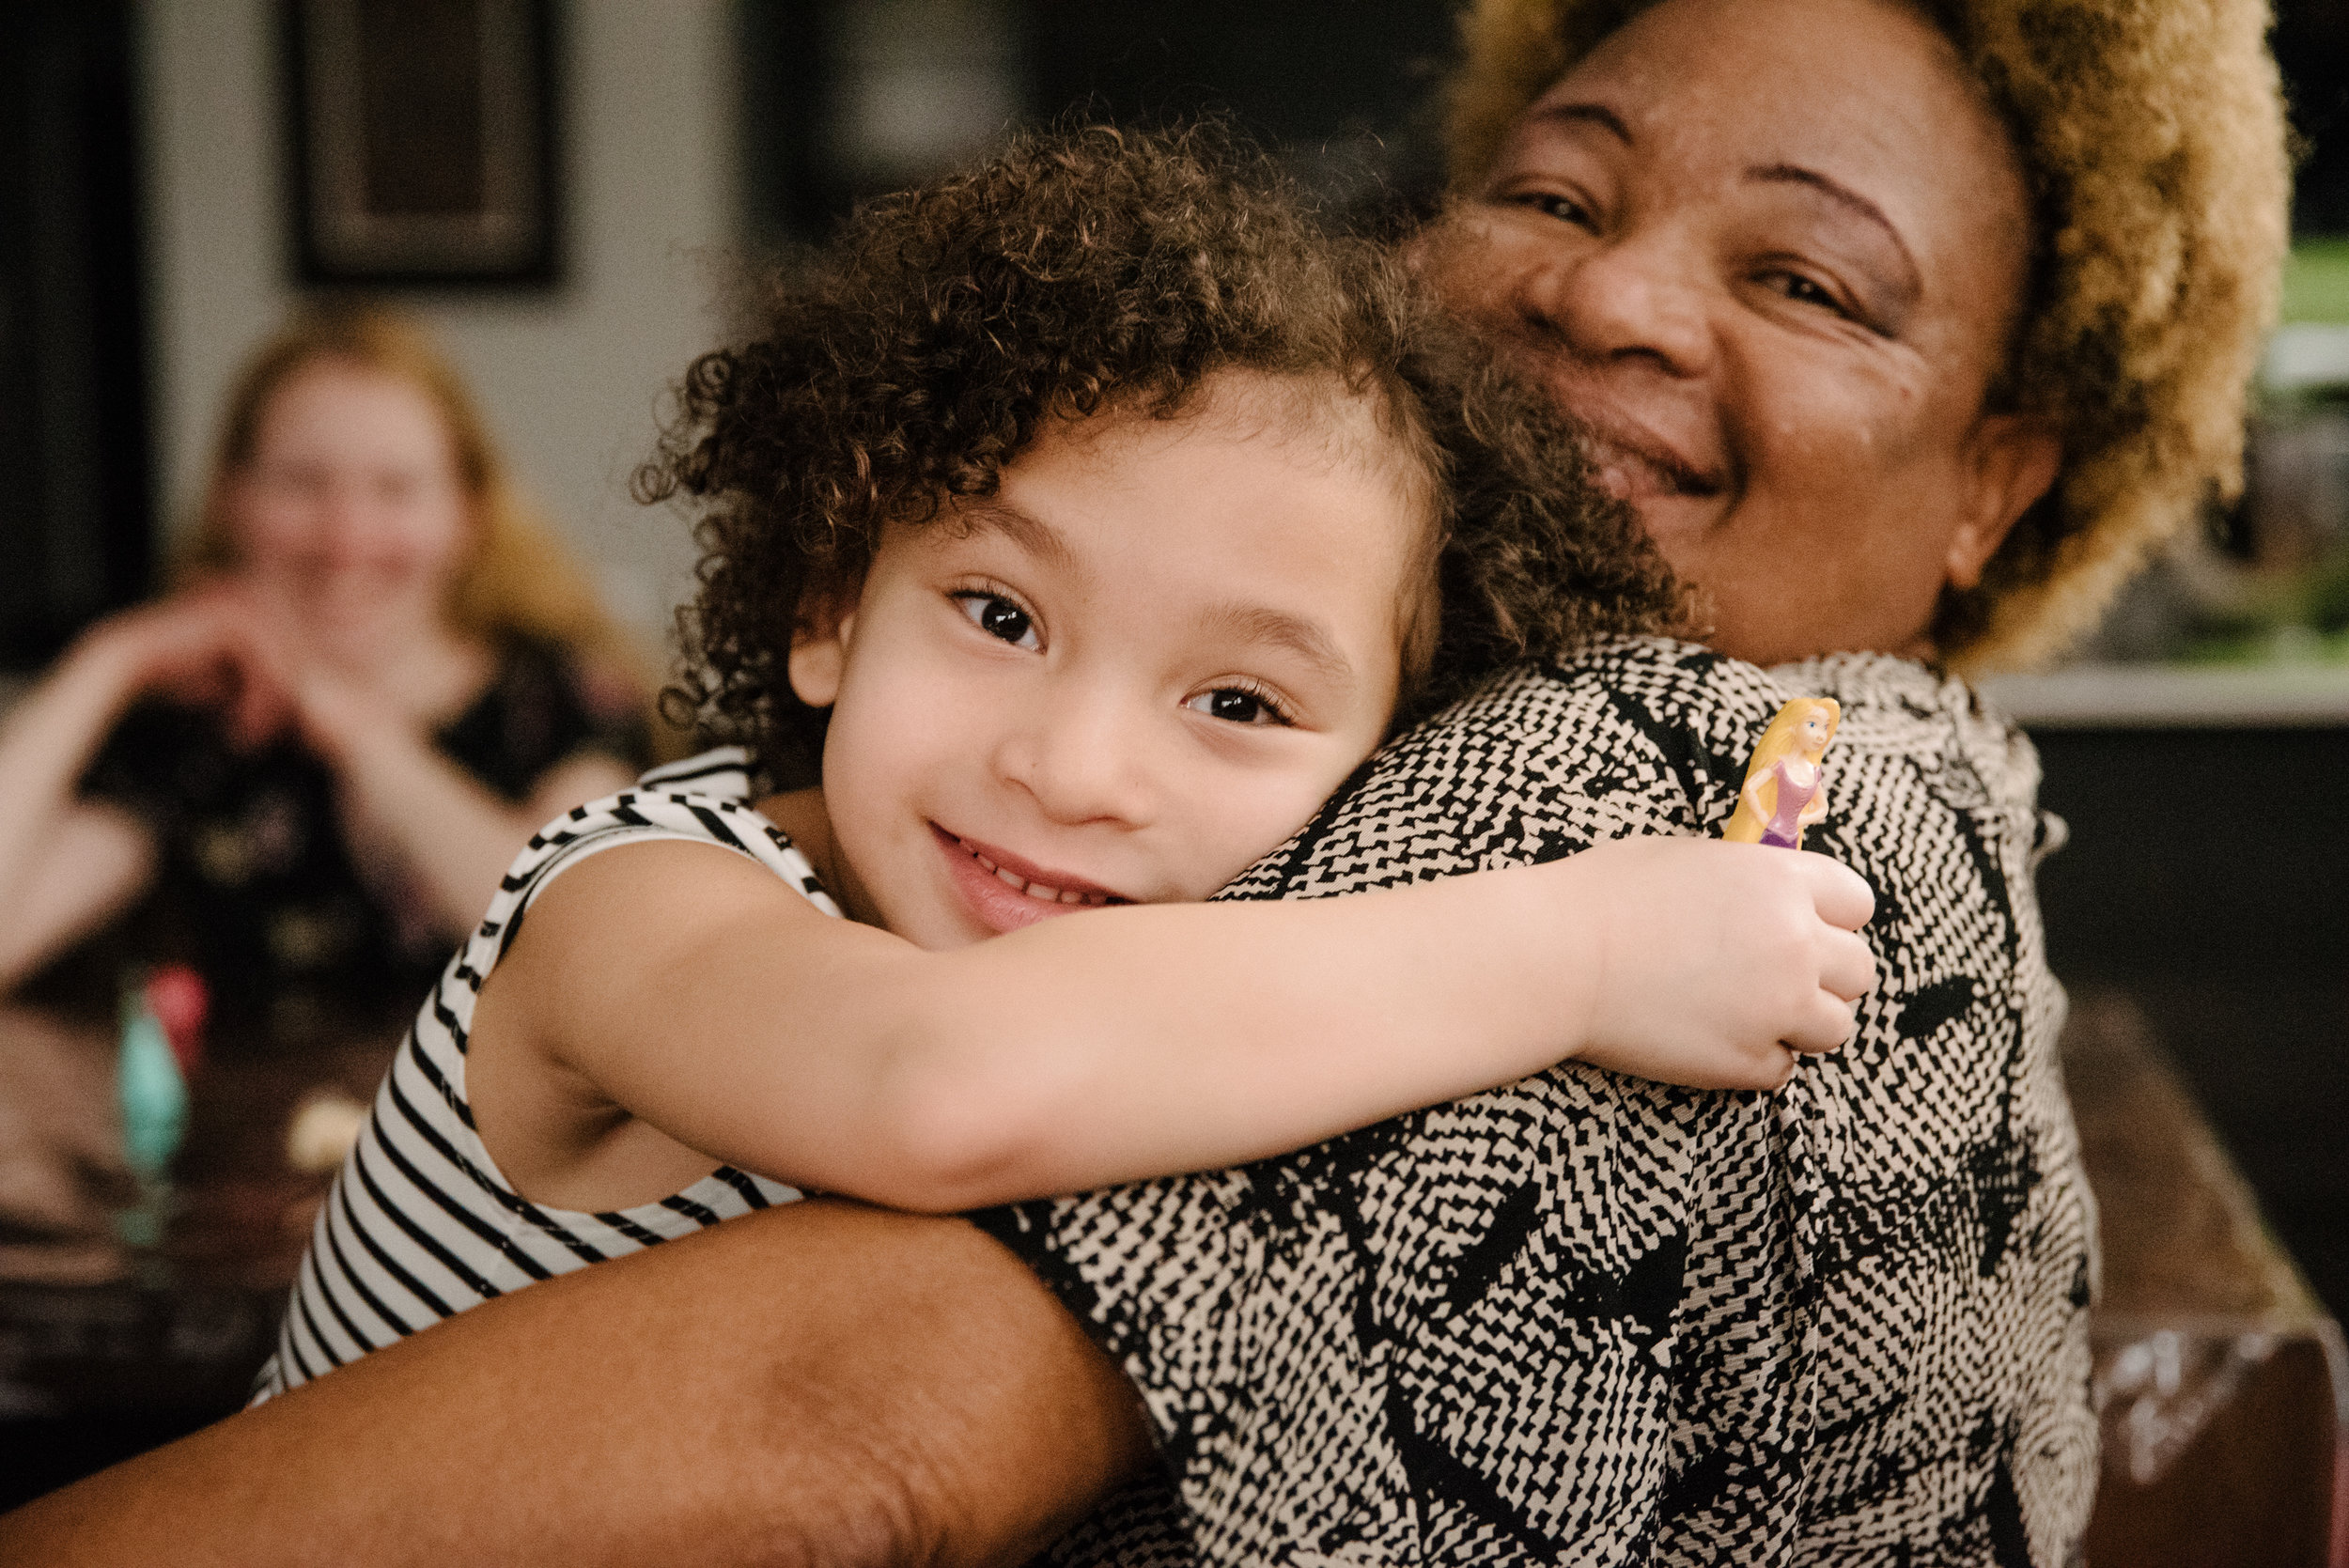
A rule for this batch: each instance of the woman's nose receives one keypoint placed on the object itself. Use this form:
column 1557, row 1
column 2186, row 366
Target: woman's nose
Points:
column 1638, row 297
column 343, row 520
column 1083, row 759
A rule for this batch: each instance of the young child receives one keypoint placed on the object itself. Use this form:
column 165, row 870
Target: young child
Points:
column 1092, row 518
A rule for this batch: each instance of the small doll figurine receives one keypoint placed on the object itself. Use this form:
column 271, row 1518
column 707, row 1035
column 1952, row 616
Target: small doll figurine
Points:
column 1784, row 792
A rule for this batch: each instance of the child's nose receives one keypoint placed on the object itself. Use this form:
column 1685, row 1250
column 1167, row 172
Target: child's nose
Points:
column 1084, row 761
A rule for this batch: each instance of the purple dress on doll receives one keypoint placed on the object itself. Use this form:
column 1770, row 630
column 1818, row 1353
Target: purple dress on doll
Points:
column 1784, row 828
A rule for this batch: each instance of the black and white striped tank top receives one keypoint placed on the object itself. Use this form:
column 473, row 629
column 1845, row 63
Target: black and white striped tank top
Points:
column 420, row 1223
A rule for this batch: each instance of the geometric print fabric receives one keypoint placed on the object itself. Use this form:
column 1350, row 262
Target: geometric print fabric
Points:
column 1590, row 1319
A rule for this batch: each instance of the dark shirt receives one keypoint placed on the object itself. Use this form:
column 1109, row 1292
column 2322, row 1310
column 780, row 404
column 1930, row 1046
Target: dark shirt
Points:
column 1590, row 1319
column 257, row 885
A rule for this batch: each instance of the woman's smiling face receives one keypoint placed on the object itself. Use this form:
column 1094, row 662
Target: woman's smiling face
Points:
column 1770, row 252
column 350, row 514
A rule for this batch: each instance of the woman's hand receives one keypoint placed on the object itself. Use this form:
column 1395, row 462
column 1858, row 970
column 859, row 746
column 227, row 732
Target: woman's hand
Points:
column 63, row 1170
column 423, row 825
column 67, row 864
column 209, row 645
column 1718, row 961
column 338, row 716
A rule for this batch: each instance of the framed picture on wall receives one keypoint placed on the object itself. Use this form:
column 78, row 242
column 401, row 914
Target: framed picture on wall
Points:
column 422, row 141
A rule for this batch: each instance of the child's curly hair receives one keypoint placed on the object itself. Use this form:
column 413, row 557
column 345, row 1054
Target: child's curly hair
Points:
column 2151, row 134
column 1083, row 271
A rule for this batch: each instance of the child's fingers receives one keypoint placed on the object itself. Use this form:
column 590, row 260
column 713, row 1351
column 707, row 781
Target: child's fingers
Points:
column 1751, row 1067
column 1847, row 968
column 1771, row 1069
column 1841, row 894
column 1825, row 1025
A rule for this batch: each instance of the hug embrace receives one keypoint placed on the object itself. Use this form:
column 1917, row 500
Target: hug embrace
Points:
column 1135, row 566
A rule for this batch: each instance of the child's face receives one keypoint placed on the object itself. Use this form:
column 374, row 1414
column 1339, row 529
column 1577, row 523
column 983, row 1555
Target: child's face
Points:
column 1139, row 667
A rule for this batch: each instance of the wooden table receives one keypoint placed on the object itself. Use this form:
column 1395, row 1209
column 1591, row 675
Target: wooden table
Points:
column 2222, row 1382
column 2221, row 1379
column 105, row 1351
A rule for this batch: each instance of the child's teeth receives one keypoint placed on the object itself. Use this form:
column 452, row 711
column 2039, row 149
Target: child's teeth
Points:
column 1037, row 890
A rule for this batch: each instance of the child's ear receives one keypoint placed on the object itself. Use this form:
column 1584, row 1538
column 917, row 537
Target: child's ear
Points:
column 819, row 650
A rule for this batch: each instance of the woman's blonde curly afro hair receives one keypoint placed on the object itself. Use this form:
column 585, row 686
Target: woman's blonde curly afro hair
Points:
column 2152, row 138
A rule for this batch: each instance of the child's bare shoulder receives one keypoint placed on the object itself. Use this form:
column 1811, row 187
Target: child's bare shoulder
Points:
column 676, row 882
column 628, row 940
column 662, row 869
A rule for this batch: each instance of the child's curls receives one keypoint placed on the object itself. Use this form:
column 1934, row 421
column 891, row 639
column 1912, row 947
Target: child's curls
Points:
column 1093, row 268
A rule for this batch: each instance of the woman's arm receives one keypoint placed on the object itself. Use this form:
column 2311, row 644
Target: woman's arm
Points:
column 704, row 997
column 443, row 828
column 67, row 864
column 916, row 1396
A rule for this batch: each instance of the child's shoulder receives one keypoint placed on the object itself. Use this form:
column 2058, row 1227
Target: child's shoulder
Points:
column 723, row 772
column 705, row 799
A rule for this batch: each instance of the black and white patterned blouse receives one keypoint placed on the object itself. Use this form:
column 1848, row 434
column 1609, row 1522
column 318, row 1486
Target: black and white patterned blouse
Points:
column 1588, row 1319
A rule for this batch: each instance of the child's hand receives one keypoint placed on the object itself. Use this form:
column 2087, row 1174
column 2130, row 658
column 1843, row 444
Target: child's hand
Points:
column 1718, row 961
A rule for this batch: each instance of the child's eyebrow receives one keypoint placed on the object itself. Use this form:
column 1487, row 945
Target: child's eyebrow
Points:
column 1257, row 623
column 1251, row 623
column 1032, row 533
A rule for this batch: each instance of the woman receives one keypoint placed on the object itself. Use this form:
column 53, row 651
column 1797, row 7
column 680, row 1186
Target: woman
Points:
column 303, row 771
column 1907, row 330
column 1948, row 418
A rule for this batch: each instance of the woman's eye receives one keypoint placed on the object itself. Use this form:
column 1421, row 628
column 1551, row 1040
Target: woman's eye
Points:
column 1237, row 704
column 1563, row 208
column 1000, row 617
column 1805, row 292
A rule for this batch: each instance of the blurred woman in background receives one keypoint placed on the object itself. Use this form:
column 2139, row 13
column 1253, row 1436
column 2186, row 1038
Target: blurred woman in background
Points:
column 303, row 771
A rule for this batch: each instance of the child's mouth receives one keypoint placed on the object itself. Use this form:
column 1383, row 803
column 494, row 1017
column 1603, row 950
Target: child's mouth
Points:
column 1006, row 893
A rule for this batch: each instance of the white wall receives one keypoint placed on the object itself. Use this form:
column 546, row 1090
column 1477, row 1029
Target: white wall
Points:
column 569, row 378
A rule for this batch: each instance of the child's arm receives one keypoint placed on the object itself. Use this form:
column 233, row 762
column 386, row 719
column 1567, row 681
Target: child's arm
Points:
column 692, row 989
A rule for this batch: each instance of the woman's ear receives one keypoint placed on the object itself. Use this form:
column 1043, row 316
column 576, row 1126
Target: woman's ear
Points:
column 2016, row 459
column 819, row 649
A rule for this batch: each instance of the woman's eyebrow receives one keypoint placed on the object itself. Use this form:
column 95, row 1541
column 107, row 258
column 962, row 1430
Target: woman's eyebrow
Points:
column 1586, row 114
column 1849, row 200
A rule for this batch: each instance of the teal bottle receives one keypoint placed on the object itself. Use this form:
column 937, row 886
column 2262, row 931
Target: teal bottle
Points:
column 154, row 1099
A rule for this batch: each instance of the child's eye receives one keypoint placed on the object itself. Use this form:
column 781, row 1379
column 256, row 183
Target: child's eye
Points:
column 1238, row 705
column 1000, row 617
